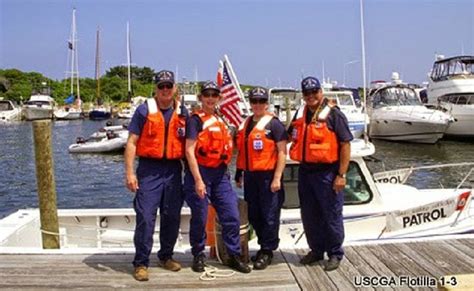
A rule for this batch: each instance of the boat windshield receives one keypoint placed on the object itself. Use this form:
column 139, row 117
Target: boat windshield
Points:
column 445, row 69
column 341, row 99
column 395, row 96
column 5, row 106
column 357, row 190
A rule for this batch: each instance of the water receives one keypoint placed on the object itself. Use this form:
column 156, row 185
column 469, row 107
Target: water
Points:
column 97, row 181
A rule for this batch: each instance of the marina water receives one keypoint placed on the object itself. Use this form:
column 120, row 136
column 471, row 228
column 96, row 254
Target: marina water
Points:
column 97, row 180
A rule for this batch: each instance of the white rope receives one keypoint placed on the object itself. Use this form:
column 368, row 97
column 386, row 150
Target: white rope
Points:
column 212, row 273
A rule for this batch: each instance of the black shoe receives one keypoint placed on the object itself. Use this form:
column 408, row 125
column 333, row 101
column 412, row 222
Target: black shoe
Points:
column 311, row 258
column 264, row 260
column 332, row 264
column 236, row 264
column 198, row 263
column 256, row 256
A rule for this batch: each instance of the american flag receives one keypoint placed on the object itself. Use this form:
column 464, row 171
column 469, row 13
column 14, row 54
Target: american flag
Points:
column 229, row 105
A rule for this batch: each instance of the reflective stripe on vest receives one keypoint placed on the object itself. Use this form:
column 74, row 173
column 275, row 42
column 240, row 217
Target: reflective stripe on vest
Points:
column 256, row 151
column 155, row 140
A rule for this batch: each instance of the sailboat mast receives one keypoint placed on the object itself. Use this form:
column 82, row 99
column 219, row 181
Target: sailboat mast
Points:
column 364, row 78
column 129, row 96
column 76, row 56
column 72, row 47
column 97, row 64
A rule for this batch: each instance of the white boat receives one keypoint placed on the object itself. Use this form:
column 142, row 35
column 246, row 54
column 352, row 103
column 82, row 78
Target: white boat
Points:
column 372, row 212
column 68, row 113
column 283, row 102
column 355, row 115
column 451, row 89
column 39, row 107
column 113, row 141
column 9, row 111
column 72, row 110
column 396, row 113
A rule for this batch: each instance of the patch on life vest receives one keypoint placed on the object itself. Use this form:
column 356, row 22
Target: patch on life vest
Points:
column 258, row 145
column 181, row 131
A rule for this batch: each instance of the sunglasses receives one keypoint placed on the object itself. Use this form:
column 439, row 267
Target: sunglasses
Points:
column 209, row 94
column 163, row 86
column 310, row 92
column 258, row 101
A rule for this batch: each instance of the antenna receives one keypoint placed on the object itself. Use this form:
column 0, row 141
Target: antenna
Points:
column 366, row 138
column 129, row 59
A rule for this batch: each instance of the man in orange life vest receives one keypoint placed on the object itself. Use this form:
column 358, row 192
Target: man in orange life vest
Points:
column 321, row 143
column 208, row 152
column 261, row 141
column 157, row 137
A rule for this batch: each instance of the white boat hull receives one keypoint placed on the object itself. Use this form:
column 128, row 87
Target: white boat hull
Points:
column 103, row 146
column 397, row 130
column 67, row 115
column 10, row 115
column 36, row 113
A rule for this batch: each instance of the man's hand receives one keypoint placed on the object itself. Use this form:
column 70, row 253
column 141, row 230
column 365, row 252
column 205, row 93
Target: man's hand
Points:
column 339, row 184
column 200, row 188
column 132, row 183
column 275, row 186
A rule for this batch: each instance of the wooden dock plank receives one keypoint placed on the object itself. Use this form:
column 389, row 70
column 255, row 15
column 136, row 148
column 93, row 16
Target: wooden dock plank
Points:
column 114, row 271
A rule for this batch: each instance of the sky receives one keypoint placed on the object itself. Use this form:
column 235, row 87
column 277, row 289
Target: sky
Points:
column 269, row 42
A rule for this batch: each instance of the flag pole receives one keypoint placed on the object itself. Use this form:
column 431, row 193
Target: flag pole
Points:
column 236, row 82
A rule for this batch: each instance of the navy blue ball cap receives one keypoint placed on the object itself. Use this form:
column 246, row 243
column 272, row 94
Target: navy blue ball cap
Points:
column 210, row 85
column 164, row 76
column 258, row 93
column 310, row 84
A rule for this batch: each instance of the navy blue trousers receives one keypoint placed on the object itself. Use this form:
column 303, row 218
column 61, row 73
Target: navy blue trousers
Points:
column 160, row 186
column 264, row 207
column 225, row 201
column 321, row 211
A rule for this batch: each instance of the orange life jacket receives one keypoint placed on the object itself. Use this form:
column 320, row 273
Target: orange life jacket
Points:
column 156, row 141
column 214, row 143
column 313, row 142
column 256, row 151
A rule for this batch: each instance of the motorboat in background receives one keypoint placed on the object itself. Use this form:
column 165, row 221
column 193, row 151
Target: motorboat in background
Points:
column 108, row 139
column 40, row 106
column 9, row 111
column 451, row 89
column 372, row 212
column 344, row 99
column 396, row 113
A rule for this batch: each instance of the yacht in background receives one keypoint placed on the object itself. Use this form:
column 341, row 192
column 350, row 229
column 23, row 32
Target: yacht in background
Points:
column 40, row 106
column 451, row 89
column 9, row 111
column 396, row 113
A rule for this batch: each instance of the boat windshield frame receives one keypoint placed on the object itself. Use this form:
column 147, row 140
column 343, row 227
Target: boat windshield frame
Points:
column 462, row 66
column 394, row 96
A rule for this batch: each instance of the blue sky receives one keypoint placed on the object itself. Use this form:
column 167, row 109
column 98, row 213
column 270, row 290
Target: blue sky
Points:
column 268, row 42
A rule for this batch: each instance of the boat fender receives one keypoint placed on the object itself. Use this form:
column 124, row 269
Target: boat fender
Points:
column 111, row 134
column 108, row 123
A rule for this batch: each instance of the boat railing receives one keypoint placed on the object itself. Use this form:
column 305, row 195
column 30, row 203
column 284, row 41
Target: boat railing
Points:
column 400, row 176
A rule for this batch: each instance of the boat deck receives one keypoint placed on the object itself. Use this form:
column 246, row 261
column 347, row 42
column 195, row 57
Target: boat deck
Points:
column 430, row 259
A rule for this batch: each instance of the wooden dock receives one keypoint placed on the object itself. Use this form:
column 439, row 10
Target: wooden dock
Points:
column 427, row 259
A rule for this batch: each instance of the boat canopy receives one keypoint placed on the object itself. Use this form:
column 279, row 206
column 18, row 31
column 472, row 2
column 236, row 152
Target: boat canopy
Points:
column 452, row 67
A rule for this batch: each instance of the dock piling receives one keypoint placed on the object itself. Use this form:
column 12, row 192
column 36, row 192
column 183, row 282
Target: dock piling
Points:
column 46, row 184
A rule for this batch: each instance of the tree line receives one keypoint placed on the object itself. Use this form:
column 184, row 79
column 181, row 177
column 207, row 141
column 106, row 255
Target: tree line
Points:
column 19, row 86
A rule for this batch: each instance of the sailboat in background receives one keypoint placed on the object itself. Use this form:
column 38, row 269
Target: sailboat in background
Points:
column 72, row 108
column 99, row 112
